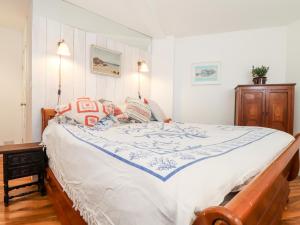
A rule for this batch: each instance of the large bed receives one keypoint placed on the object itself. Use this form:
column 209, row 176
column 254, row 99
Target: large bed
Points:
column 165, row 174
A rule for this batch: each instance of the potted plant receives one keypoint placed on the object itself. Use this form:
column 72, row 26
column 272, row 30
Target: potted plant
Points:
column 259, row 74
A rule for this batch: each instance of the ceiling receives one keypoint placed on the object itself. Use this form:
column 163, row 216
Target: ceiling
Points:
column 159, row 18
column 13, row 13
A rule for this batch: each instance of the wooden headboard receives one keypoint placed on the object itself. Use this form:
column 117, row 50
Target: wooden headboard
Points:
column 47, row 114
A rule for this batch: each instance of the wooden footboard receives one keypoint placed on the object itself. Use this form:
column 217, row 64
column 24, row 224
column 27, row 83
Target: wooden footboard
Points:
column 63, row 205
column 263, row 200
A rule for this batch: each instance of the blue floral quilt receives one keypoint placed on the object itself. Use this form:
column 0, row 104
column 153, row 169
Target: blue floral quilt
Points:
column 163, row 150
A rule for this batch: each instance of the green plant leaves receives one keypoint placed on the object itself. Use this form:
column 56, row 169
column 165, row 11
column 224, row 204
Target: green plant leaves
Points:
column 259, row 71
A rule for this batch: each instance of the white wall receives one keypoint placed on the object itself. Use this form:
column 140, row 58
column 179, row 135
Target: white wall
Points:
column 10, row 85
column 162, row 73
column 293, row 66
column 77, row 80
column 237, row 52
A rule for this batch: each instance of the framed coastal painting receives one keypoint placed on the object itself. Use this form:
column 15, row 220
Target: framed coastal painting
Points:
column 206, row 73
column 105, row 61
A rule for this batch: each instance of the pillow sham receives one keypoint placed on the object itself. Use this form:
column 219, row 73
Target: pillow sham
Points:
column 118, row 111
column 156, row 110
column 83, row 110
column 137, row 110
column 108, row 106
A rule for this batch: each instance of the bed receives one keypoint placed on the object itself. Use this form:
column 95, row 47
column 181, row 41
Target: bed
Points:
column 168, row 190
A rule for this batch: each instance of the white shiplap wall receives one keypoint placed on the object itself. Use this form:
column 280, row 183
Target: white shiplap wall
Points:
column 77, row 80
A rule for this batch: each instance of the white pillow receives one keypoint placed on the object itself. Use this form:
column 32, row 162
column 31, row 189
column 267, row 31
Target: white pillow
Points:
column 156, row 111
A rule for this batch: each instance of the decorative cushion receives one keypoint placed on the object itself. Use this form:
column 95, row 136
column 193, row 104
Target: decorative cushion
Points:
column 137, row 110
column 124, row 118
column 83, row 110
column 108, row 106
column 121, row 115
column 118, row 111
column 156, row 111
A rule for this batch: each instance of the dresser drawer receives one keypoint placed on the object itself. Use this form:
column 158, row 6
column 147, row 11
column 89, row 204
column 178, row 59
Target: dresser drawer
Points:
column 23, row 158
column 24, row 171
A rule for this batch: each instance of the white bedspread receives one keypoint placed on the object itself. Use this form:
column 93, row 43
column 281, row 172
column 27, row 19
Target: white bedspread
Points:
column 156, row 173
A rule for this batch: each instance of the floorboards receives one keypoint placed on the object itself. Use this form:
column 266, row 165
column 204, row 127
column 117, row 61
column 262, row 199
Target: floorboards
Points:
column 291, row 215
column 37, row 210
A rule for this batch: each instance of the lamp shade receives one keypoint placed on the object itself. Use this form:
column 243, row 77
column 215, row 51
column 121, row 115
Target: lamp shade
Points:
column 63, row 49
column 143, row 67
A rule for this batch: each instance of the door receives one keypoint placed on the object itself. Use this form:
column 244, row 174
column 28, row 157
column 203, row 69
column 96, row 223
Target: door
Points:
column 11, row 121
column 253, row 107
column 277, row 109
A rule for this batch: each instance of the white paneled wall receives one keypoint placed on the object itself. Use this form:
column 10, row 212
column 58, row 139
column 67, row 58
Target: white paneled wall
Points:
column 77, row 79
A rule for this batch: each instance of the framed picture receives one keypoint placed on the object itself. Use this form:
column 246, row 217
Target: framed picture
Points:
column 206, row 73
column 105, row 61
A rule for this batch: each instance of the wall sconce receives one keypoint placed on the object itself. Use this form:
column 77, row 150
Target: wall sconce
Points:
column 142, row 68
column 62, row 50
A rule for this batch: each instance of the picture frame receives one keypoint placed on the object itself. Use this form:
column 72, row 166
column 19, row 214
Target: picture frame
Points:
column 106, row 62
column 206, row 73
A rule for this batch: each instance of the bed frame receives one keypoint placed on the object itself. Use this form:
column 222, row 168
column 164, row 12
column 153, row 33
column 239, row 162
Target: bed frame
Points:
column 261, row 202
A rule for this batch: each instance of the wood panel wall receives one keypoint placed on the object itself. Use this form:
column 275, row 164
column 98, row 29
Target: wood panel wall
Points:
column 77, row 79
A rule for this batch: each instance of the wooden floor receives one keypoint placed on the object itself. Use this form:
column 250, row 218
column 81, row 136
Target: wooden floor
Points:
column 30, row 210
column 37, row 210
column 291, row 216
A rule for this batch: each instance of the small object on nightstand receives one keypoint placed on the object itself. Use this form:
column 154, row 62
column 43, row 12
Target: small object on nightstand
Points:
column 23, row 160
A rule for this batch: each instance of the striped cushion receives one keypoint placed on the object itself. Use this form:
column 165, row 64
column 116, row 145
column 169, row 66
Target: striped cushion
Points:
column 137, row 110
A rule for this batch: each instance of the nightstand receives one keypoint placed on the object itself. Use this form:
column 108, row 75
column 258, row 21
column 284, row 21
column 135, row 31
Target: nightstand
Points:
column 22, row 160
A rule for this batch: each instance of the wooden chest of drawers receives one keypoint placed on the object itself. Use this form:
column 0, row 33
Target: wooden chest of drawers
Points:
column 270, row 105
column 21, row 161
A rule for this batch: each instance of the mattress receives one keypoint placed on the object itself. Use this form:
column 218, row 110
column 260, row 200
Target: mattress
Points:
column 156, row 173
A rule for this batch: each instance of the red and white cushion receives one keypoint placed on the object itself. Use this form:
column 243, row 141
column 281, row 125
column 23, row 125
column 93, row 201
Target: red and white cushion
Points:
column 83, row 110
column 108, row 106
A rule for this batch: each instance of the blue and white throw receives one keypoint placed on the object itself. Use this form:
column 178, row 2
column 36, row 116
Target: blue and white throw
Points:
column 163, row 150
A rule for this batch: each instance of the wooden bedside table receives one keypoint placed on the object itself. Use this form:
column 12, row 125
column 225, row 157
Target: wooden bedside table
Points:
column 22, row 160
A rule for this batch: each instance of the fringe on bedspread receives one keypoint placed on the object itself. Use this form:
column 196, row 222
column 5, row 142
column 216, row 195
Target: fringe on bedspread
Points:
column 78, row 204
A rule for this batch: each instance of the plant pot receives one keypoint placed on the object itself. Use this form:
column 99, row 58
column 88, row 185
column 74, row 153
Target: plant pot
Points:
column 259, row 80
